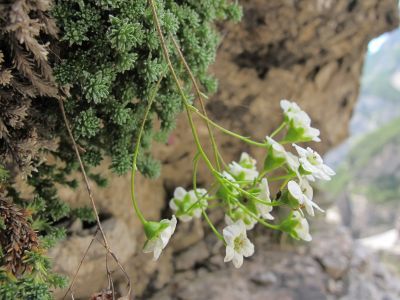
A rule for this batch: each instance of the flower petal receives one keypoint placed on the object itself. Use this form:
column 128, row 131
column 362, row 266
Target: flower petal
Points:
column 179, row 193
column 230, row 253
column 248, row 248
column 237, row 260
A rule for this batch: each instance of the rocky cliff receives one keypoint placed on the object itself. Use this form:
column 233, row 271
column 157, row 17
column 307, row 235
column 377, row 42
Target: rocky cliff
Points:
column 310, row 51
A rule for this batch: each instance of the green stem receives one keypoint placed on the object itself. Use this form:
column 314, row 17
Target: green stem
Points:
column 274, row 203
column 213, row 227
column 136, row 152
column 224, row 130
column 195, row 166
column 284, row 183
column 181, row 92
column 217, row 155
column 259, row 220
column 278, row 130
column 281, row 177
column 262, row 174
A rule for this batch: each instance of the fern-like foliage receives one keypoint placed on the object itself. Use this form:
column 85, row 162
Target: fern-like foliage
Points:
column 113, row 57
column 105, row 57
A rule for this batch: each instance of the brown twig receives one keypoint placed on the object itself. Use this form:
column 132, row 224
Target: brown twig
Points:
column 85, row 178
column 92, row 201
column 79, row 267
column 119, row 265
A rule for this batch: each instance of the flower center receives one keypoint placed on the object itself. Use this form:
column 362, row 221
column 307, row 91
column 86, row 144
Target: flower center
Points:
column 238, row 243
column 313, row 159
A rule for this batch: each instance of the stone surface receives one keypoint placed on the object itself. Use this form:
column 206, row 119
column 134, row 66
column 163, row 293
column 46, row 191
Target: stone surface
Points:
column 310, row 51
column 277, row 272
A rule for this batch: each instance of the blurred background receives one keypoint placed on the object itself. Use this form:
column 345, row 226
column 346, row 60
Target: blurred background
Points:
column 340, row 60
column 366, row 189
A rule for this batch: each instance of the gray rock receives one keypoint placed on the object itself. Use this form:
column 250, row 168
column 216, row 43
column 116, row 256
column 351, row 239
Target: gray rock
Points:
column 267, row 278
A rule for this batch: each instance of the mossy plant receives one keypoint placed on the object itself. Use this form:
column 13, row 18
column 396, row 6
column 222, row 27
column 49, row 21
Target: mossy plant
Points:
column 112, row 57
column 102, row 58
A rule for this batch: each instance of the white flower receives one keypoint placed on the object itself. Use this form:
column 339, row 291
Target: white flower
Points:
column 300, row 120
column 278, row 152
column 308, row 196
column 245, row 169
column 187, row 205
column 312, row 163
column 303, row 122
column 228, row 176
column 289, row 108
column 292, row 162
column 264, row 209
column 237, row 243
column 302, row 228
column 295, row 191
column 303, row 194
column 231, row 179
column 277, row 149
column 160, row 237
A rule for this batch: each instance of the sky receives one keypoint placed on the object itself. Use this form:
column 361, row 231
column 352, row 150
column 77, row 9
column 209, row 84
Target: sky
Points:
column 375, row 44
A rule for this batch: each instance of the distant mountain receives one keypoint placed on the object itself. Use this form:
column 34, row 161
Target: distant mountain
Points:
column 379, row 100
column 367, row 185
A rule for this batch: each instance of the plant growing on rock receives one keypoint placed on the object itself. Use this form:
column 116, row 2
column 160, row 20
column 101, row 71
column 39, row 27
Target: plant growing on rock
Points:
column 118, row 65
column 239, row 188
column 101, row 58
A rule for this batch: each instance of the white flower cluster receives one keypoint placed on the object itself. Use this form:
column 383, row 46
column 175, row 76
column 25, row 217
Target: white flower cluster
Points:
column 187, row 205
column 299, row 122
column 243, row 191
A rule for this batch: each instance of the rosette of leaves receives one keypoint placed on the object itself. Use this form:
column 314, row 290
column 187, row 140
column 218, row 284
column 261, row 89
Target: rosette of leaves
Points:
column 112, row 57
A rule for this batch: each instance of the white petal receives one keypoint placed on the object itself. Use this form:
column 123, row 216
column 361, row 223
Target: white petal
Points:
column 197, row 212
column 172, row 205
column 228, row 220
column 292, row 161
column 306, row 189
column 248, row 248
column 229, row 234
column 302, row 119
column 157, row 252
column 185, row 218
column 302, row 228
column 245, row 157
column 229, row 254
column 313, row 133
column 285, row 105
column 250, row 174
column 251, row 223
column 306, row 164
column 179, row 193
column 201, row 192
column 237, row 260
column 149, row 246
column 301, row 151
column 328, row 170
column 267, row 216
column 278, row 149
column 241, row 227
column 235, row 168
column 309, row 207
column 295, row 190
column 310, row 178
column 229, row 177
column 264, row 190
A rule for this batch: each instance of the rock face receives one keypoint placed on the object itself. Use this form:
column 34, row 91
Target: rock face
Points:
column 310, row 51
column 332, row 267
